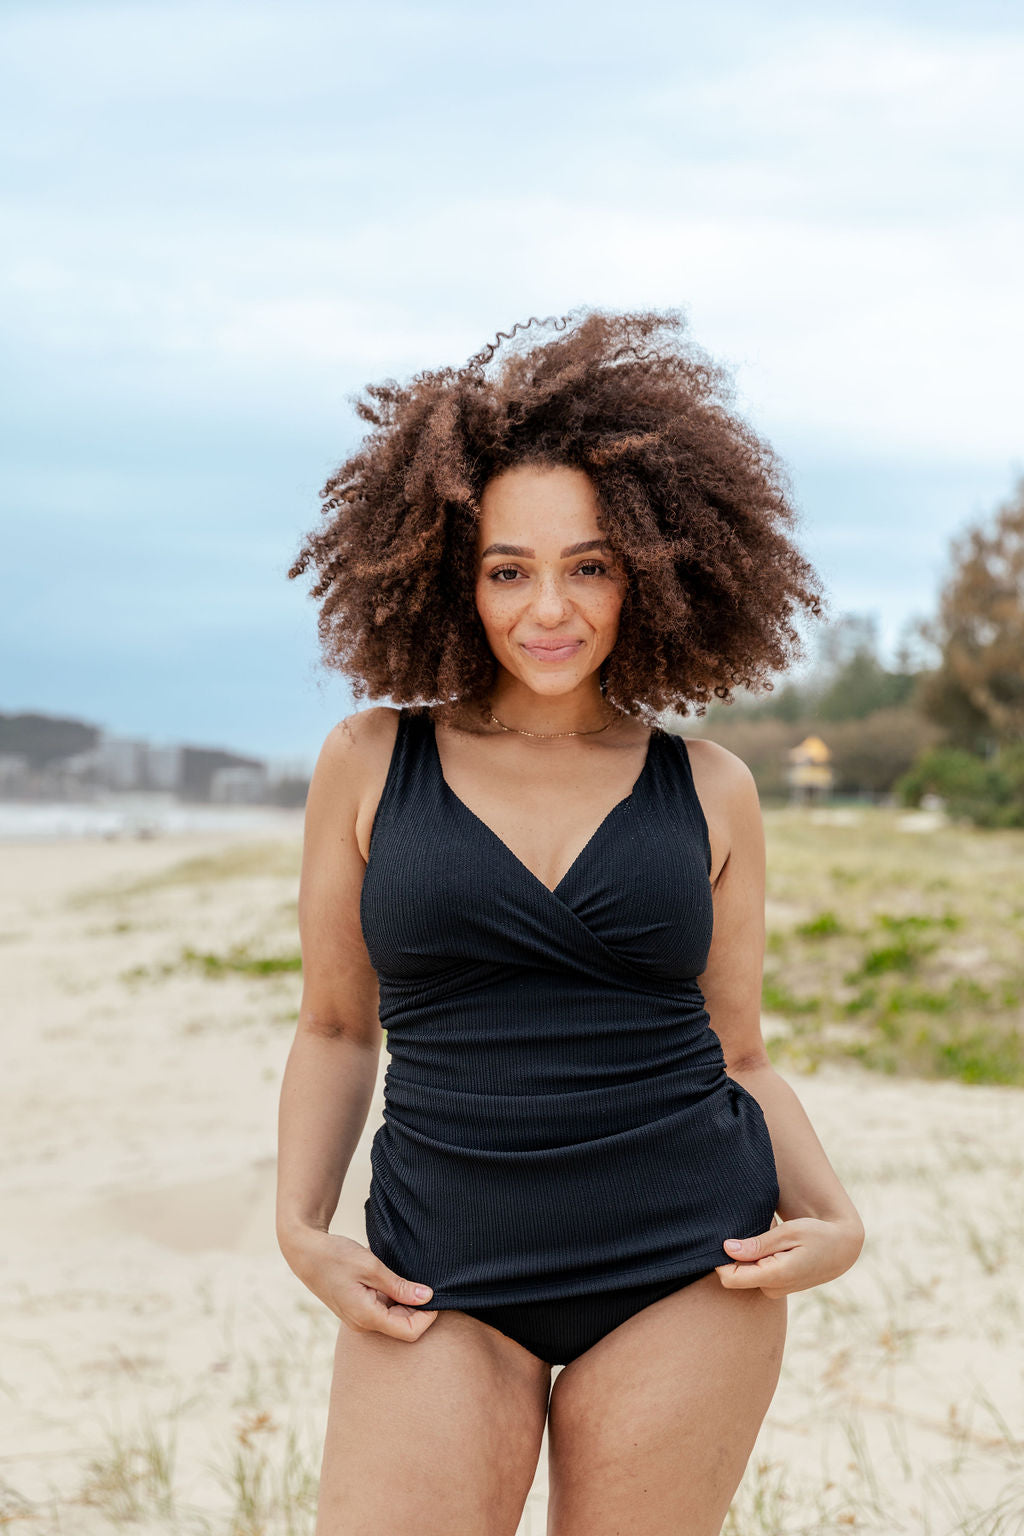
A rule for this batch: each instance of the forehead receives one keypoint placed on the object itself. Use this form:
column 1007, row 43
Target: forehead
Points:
column 538, row 499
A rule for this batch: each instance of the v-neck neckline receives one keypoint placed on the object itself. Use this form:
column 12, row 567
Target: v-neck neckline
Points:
column 516, row 860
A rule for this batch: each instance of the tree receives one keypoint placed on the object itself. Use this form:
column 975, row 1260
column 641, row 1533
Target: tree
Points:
column 977, row 690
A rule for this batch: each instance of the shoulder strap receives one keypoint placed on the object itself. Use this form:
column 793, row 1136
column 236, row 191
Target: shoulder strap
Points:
column 685, row 788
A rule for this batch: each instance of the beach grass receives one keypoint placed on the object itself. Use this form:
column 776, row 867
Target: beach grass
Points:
column 895, row 948
column 241, row 859
column 892, row 985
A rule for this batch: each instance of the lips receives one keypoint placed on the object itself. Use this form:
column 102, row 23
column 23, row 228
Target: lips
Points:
column 546, row 650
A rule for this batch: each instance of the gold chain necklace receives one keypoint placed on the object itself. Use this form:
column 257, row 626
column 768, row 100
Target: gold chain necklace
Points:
column 548, row 735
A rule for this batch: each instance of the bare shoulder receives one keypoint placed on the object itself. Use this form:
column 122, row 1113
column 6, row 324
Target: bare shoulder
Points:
column 338, row 980
column 358, row 737
column 353, row 765
column 717, row 764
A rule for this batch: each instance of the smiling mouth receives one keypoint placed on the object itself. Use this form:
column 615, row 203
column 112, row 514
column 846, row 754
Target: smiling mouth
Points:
column 544, row 651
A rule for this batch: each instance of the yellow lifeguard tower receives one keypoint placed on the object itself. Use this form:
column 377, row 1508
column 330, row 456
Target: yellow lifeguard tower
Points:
column 809, row 774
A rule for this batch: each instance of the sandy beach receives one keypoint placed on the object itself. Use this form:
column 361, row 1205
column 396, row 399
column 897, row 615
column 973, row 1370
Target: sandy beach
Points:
column 160, row 1363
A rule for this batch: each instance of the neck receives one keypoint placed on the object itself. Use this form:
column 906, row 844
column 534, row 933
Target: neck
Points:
column 520, row 708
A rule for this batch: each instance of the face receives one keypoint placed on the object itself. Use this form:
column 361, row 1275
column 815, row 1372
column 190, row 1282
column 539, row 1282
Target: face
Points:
column 548, row 590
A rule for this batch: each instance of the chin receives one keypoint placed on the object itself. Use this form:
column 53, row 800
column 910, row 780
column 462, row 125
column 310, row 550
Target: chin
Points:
column 564, row 682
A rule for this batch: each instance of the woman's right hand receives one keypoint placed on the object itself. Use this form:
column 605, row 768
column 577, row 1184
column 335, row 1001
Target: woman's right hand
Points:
column 357, row 1287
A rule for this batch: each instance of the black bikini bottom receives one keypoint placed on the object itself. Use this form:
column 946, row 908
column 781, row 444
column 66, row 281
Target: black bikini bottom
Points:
column 559, row 1330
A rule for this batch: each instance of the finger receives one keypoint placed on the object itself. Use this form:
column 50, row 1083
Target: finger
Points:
column 373, row 1312
column 750, row 1248
column 408, row 1293
column 400, row 1322
column 739, row 1277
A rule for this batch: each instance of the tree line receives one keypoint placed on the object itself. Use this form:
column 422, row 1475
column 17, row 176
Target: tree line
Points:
column 952, row 725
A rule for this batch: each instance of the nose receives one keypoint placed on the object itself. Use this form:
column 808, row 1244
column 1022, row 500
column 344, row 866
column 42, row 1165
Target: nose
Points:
column 550, row 603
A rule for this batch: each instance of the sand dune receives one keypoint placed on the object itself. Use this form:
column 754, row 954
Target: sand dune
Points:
column 159, row 1360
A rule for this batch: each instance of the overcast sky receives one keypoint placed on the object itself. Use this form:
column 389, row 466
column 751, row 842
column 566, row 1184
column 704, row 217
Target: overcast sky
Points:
column 223, row 219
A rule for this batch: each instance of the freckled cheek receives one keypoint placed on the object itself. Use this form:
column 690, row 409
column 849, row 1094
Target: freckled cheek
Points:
column 498, row 610
column 604, row 612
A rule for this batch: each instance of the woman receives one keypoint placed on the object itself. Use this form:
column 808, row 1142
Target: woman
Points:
column 556, row 909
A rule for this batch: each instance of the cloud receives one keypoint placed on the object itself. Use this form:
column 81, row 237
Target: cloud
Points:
column 222, row 219
column 214, row 199
column 900, row 335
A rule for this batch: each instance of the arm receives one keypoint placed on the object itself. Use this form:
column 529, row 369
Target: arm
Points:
column 820, row 1227
column 331, row 1071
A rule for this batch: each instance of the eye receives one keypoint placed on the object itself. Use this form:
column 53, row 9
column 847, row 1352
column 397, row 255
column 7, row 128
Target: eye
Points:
column 500, row 572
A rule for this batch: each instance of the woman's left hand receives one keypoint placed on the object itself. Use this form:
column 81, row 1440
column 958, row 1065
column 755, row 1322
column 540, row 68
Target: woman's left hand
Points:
column 793, row 1256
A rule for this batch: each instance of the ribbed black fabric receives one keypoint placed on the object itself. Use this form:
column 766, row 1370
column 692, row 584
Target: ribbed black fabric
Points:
column 560, row 1329
column 558, row 1120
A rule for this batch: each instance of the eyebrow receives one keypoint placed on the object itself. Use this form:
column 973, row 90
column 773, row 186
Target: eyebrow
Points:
column 519, row 549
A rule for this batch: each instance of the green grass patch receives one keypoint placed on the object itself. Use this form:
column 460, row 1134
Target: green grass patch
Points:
column 821, row 927
column 898, row 950
column 776, row 998
column 238, row 960
column 237, row 861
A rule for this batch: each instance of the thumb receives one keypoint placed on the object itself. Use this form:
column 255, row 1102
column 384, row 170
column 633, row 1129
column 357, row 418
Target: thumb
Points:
column 750, row 1248
column 409, row 1293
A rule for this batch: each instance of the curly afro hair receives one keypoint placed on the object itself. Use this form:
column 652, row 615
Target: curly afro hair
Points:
column 694, row 504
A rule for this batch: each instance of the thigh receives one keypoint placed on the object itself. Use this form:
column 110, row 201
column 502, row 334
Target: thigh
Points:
column 650, row 1430
column 437, row 1436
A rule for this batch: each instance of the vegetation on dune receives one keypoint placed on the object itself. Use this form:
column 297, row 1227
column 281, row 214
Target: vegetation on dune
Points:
column 895, row 948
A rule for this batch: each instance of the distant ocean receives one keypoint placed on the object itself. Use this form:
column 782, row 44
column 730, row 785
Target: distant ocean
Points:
column 137, row 816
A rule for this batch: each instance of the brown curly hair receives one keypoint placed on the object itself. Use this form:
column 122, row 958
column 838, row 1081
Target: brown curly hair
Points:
column 690, row 499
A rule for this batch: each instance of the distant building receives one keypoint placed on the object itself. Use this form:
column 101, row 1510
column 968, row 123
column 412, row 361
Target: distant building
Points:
column 202, row 765
column 79, row 776
column 14, row 773
column 121, row 761
column 164, row 767
column 51, row 758
column 281, row 770
column 809, row 774
column 239, row 785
